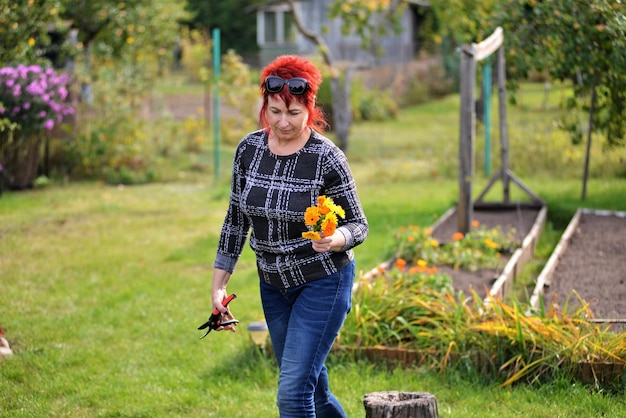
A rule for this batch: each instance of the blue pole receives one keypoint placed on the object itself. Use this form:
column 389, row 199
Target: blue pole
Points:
column 216, row 101
column 487, row 115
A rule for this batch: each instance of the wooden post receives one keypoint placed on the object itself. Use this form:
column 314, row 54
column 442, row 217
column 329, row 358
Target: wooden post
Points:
column 466, row 142
column 400, row 405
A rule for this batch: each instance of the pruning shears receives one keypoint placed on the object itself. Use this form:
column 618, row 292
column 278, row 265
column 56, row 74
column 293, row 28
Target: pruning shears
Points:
column 216, row 319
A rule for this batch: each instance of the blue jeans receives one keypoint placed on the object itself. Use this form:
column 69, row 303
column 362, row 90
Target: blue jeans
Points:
column 303, row 324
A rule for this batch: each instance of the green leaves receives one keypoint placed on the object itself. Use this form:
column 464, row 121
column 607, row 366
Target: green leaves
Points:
column 368, row 19
column 574, row 39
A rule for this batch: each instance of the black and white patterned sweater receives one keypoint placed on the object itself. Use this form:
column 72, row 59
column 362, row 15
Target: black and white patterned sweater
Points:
column 270, row 193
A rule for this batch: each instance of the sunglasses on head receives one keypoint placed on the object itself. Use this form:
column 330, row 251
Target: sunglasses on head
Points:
column 297, row 86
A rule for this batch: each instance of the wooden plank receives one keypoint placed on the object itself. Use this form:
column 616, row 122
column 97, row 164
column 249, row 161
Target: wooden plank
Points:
column 487, row 47
column 544, row 278
column 466, row 140
column 504, row 282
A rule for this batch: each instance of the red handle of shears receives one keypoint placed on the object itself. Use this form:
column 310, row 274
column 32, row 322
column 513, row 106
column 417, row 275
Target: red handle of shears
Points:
column 225, row 303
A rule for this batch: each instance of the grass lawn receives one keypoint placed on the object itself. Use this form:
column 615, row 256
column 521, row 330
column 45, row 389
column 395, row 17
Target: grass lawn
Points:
column 103, row 288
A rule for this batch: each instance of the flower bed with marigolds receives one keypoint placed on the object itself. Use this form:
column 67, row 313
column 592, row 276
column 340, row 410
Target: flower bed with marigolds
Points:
column 480, row 248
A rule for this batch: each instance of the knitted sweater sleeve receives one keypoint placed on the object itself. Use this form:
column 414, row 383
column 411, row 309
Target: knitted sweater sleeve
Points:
column 341, row 187
column 236, row 225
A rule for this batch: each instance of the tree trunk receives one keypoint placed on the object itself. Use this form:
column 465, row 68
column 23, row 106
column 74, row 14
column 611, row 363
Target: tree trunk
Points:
column 19, row 156
column 592, row 110
column 400, row 405
column 342, row 110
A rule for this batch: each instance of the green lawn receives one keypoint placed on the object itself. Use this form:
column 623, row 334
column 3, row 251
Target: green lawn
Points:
column 103, row 287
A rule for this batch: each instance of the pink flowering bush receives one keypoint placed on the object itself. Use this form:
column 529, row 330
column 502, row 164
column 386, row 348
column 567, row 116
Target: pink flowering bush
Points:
column 32, row 97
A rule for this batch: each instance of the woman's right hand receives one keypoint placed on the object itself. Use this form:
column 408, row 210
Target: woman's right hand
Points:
column 218, row 296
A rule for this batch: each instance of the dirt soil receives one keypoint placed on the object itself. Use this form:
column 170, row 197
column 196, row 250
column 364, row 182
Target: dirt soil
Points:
column 593, row 264
column 521, row 219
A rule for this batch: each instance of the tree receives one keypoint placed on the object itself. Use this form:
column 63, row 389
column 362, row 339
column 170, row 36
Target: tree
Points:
column 366, row 18
column 238, row 34
column 24, row 29
column 580, row 40
column 129, row 30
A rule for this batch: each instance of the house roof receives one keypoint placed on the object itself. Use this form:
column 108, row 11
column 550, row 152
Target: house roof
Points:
column 263, row 5
column 423, row 3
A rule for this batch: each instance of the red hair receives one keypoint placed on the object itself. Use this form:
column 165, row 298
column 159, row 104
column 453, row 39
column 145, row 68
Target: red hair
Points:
column 291, row 66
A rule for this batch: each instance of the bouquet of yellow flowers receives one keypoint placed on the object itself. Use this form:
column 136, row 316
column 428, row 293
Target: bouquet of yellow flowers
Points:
column 322, row 218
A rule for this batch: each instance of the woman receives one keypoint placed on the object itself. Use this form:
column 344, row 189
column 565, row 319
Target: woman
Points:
column 279, row 171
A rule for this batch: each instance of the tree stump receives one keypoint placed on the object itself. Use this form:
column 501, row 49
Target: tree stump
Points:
column 400, row 405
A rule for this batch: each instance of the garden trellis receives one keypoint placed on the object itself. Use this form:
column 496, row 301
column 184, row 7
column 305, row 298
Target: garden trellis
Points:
column 470, row 55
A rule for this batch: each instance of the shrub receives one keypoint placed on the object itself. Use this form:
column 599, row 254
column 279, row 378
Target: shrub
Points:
column 241, row 93
column 196, row 54
column 33, row 98
column 376, row 105
column 32, row 101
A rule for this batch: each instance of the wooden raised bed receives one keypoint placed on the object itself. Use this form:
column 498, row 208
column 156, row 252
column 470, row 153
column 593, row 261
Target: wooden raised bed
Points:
column 527, row 219
column 598, row 259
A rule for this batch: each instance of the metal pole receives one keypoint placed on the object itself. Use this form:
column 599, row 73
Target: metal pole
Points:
column 216, row 101
column 487, row 114
column 504, row 136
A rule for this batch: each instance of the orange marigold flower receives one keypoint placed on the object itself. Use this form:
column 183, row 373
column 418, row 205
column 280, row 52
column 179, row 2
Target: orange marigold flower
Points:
column 328, row 227
column 428, row 231
column 311, row 216
column 410, row 238
column 322, row 218
column 432, row 270
column 475, row 223
column 457, row 236
column 400, row 263
column 311, row 235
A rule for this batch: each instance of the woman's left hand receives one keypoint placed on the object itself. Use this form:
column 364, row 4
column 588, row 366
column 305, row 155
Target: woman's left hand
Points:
column 333, row 243
column 323, row 244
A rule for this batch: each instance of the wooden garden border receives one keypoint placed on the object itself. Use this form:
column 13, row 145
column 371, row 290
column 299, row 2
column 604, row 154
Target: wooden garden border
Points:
column 545, row 277
column 503, row 283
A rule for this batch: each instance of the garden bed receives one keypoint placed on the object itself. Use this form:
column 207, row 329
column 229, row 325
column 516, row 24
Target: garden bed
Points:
column 590, row 258
column 595, row 351
column 526, row 219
